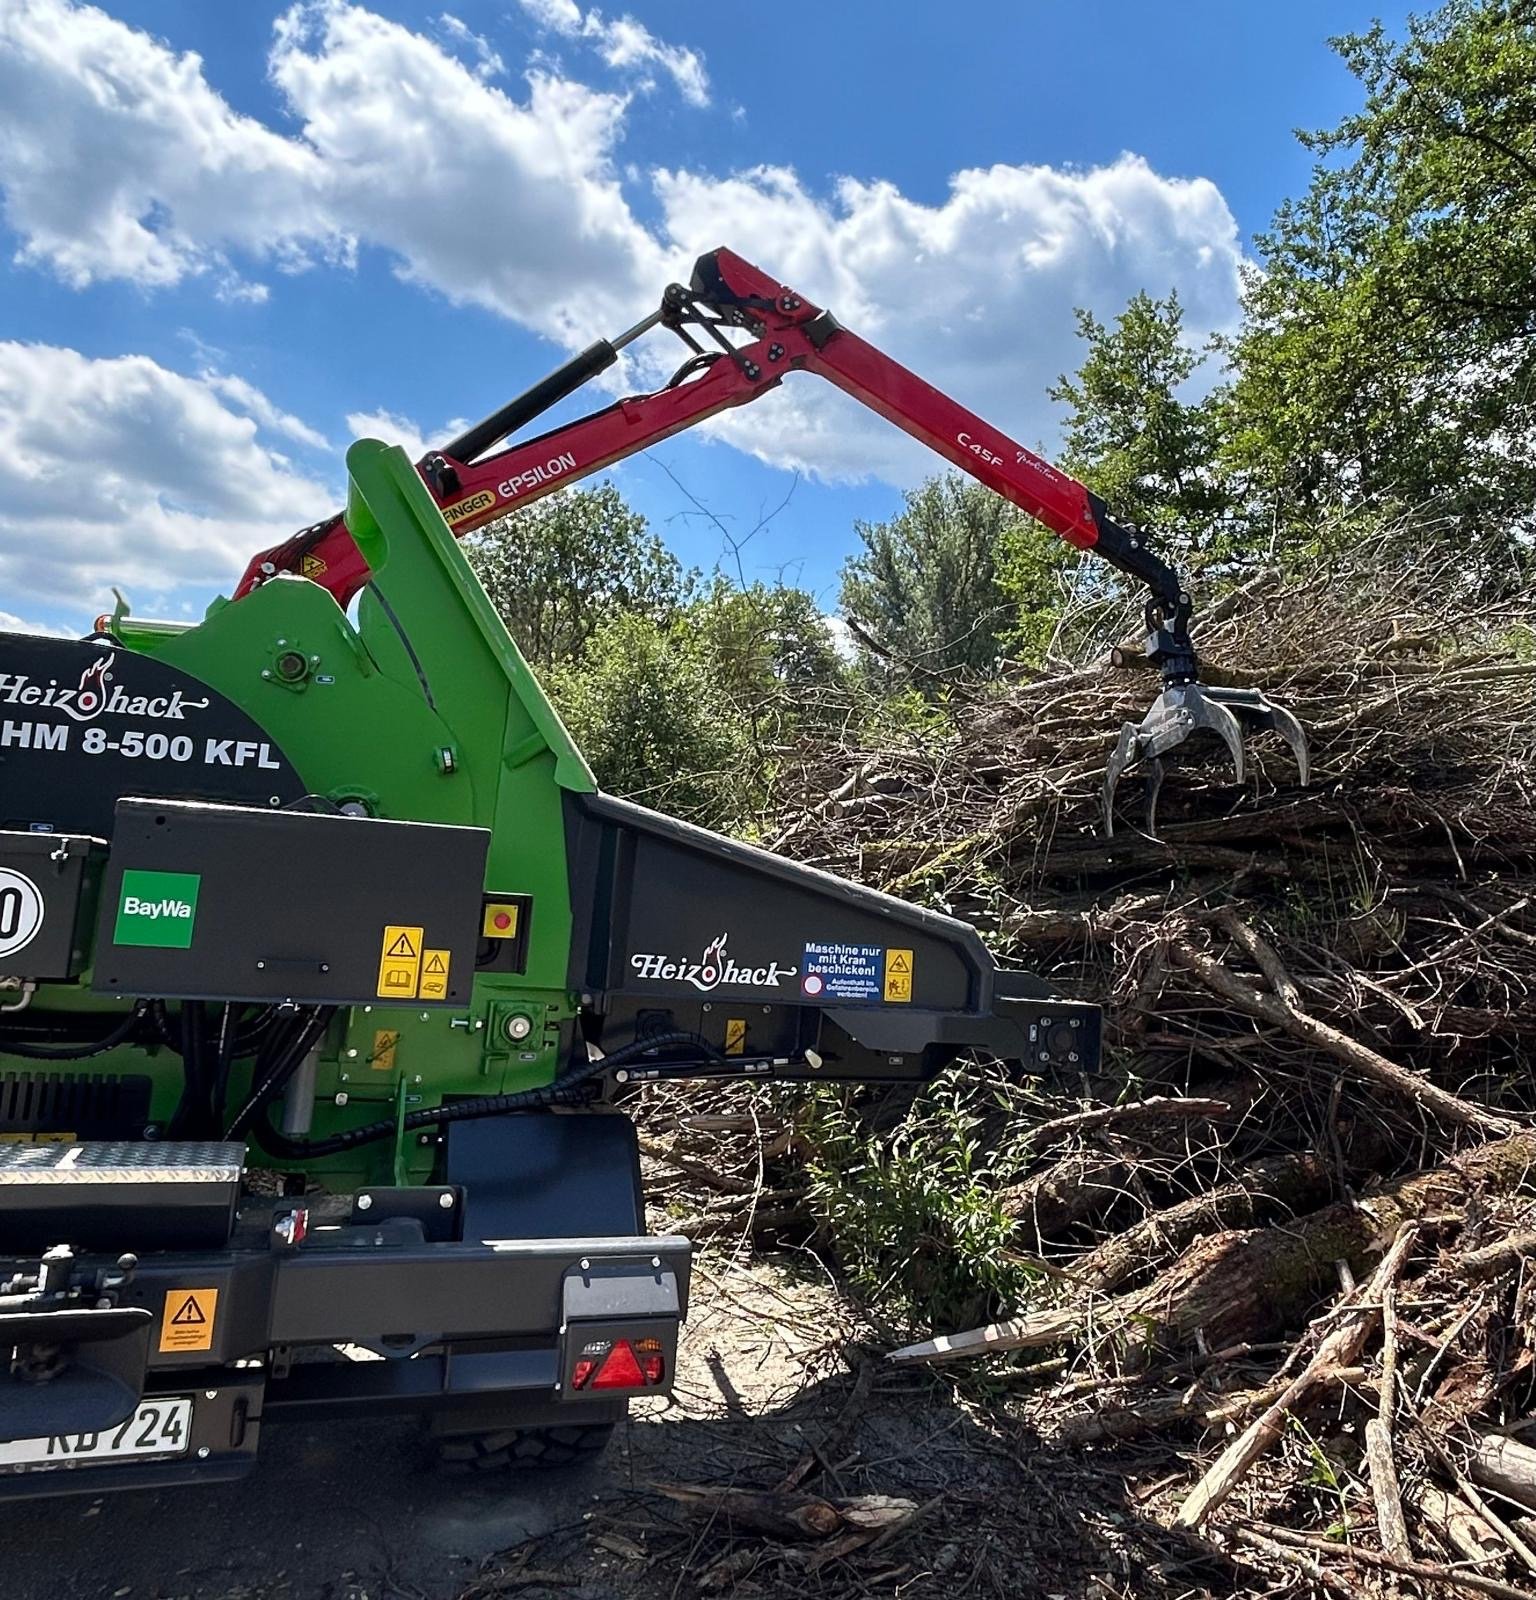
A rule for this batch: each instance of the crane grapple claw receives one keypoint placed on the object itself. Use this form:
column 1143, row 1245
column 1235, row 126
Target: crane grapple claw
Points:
column 1185, row 711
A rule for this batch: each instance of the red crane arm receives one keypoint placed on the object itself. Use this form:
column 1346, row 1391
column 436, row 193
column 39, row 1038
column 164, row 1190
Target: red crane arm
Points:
column 785, row 333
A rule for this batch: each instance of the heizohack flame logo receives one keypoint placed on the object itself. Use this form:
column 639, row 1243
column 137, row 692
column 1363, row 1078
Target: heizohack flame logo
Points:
column 96, row 694
column 91, row 696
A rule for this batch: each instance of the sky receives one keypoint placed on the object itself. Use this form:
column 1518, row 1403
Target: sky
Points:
column 235, row 237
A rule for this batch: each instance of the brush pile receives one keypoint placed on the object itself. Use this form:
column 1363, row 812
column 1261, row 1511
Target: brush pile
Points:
column 1276, row 1262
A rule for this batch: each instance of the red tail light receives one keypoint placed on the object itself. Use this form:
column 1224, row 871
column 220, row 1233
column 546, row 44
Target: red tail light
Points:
column 620, row 1370
column 619, row 1364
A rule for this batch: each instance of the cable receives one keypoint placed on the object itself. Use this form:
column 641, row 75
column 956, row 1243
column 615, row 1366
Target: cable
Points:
column 565, row 1090
column 77, row 1052
column 265, row 1088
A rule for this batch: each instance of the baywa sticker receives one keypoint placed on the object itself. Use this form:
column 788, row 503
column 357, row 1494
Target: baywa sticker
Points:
column 157, row 909
column 94, row 695
column 714, row 969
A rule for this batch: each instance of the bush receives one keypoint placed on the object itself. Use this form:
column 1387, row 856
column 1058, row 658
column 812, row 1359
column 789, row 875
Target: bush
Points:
column 643, row 708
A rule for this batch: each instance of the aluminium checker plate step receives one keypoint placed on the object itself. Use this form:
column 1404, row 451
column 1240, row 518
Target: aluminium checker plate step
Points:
column 118, row 1195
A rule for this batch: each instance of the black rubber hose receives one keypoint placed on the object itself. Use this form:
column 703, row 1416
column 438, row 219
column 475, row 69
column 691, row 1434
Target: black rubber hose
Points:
column 271, row 1083
column 76, row 1052
column 565, row 1090
column 223, row 1059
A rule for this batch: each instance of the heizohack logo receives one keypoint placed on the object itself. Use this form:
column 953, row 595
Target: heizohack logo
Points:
column 157, row 908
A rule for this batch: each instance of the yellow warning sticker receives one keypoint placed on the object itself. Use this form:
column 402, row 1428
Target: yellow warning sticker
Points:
column 481, row 500
column 735, row 1036
column 434, row 974
column 385, row 1042
column 187, row 1321
column 898, row 975
column 399, row 962
column 311, row 567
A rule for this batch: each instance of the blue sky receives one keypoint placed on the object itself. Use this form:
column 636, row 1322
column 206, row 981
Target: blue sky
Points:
column 235, row 235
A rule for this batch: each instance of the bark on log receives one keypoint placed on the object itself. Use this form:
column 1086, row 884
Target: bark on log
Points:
column 1247, row 1284
column 1338, row 1349
column 1262, row 1190
column 1507, row 1466
column 1070, row 1190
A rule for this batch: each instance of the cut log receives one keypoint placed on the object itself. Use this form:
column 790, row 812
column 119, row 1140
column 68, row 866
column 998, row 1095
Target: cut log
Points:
column 1339, row 1348
column 1507, row 1466
column 1249, row 1284
column 1262, row 1190
column 791, row 1516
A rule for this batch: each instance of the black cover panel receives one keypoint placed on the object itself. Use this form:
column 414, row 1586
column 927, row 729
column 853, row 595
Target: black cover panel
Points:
column 286, row 905
column 83, row 722
column 676, row 910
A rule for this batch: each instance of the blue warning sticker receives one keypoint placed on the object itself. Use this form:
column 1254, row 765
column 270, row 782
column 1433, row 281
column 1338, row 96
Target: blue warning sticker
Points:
column 842, row 971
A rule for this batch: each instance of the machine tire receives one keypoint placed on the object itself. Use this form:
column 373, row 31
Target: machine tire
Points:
column 523, row 1449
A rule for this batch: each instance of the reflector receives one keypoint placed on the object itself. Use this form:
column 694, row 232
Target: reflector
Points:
column 620, row 1370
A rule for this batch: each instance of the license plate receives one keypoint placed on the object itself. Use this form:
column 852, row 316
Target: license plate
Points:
column 158, row 1428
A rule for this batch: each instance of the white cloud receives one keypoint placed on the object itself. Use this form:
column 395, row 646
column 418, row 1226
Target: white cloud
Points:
column 976, row 294
column 488, row 62
column 248, row 398
column 123, row 472
column 625, row 44
column 118, row 159
column 392, row 429
column 11, row 623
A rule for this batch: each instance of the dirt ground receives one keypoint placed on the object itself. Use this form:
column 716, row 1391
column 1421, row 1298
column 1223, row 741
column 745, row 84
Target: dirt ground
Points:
column 768, row 1381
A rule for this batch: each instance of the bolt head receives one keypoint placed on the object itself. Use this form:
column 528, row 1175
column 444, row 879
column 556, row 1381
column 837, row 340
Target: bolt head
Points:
column 365, row 1202
column 519, row 1027
column 203, row 1452
column 210, row 1394
column 445, row 1201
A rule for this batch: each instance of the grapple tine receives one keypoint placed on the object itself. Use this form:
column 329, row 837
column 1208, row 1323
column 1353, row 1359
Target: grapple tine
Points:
column 1212, row 714
column 1179, row 712
column 1127, row 750
column 1258, row 713
column 1157, row 770
column 1289, row 729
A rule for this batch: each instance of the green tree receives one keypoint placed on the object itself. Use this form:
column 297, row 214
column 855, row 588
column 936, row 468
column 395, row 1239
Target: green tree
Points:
column 643, row 706
column 769, row 655
column 1148, row 454
column 564, row 566
column 1389, row 359
column 925, row 591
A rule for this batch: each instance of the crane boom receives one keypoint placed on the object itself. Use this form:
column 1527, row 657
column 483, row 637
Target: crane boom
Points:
column 777, row 331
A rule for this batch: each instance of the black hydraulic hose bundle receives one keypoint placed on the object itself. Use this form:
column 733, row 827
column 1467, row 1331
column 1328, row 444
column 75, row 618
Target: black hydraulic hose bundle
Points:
column 275, row 1067
column 80, row 1051
column 566, row 1090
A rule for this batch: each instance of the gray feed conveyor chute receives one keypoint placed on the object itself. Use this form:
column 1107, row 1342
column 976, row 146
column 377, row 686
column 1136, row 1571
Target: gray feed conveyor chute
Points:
column 678, row 928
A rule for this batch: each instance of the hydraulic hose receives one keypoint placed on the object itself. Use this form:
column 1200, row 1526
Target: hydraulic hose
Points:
column 564, row 1091
column 76, row 1052
column 268, row 1084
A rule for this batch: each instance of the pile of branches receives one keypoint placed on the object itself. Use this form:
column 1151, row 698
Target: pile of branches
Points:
column 1286, row 1228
